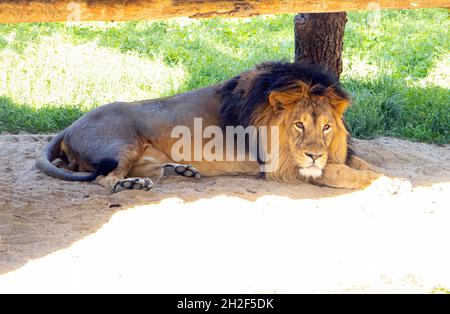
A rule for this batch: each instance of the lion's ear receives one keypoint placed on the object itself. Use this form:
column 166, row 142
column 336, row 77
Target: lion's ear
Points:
column 279, row 100
column 339, row 100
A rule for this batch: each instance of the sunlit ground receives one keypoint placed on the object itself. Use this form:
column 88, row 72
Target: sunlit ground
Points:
column 63, row 73
column 357, row 242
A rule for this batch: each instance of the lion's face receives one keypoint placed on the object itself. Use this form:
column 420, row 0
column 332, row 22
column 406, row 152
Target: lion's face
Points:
column 309, row 128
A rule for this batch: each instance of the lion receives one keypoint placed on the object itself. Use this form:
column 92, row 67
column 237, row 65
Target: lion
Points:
column 121, row 146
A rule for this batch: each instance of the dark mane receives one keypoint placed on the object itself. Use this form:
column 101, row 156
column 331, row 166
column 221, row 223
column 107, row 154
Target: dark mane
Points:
column 242, row 95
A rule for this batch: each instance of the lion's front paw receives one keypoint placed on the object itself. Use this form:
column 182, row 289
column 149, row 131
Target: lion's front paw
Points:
column 388, row 186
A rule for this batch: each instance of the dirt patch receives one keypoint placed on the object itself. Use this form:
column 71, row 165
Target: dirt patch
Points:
column 40, row 215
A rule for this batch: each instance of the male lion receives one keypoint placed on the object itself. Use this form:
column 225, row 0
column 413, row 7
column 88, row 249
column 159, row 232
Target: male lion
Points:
column 122, row 144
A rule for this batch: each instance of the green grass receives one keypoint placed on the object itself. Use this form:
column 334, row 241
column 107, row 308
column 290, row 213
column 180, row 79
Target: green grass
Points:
column 440, row 290
column 397, row 71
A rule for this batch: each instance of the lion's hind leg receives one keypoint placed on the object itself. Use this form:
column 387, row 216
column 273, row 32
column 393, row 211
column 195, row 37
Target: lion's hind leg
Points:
column 116, row 182
column 119, row 180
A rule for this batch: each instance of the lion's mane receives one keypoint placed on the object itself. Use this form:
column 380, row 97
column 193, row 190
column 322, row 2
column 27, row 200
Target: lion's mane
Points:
column 245, row 101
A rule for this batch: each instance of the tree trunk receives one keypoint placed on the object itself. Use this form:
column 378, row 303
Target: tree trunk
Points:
column 319, row 39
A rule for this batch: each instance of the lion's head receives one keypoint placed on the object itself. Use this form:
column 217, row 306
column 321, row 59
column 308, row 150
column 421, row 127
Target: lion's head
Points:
column 307, row 105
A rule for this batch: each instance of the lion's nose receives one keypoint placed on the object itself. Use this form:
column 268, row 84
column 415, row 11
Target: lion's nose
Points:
column 313, row 156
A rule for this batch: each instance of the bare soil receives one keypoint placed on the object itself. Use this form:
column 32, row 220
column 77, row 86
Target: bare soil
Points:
column 227, row 234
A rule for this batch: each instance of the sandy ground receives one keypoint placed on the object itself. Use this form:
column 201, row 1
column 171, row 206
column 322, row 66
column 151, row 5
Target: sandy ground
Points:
column 226, row 234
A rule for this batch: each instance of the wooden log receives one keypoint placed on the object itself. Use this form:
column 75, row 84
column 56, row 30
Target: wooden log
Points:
column 15, row 11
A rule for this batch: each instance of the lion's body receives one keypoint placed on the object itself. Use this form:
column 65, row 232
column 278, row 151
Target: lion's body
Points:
column 145, row 127
column 121, row 140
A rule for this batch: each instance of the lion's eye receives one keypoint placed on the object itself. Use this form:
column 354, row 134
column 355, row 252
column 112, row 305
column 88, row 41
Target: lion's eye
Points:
column 299, row 125
column 326, row 127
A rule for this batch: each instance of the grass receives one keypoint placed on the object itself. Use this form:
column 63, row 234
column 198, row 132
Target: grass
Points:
column 397, row 70
column 440, row 290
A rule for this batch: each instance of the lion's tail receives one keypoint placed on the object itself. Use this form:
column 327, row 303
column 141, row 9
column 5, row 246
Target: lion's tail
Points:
column 53, row 151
